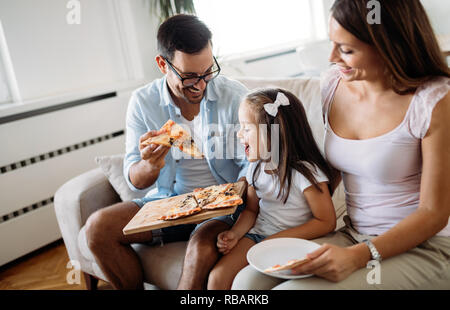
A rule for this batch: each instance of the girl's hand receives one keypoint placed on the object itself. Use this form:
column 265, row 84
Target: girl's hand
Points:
column 334, row 263
column 226, row 240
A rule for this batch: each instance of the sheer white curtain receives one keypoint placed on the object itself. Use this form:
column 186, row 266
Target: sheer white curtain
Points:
column 5, row 93
column 250, row 25
column 4, row 90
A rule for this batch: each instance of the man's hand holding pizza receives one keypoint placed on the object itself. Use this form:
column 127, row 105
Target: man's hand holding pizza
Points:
column 153, row 154
column 145, row 172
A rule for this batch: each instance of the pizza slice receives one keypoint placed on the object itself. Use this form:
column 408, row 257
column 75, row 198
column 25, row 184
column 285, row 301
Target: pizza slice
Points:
column 289, row 265
column 224, row 197
column 218, row 196
column 208, row 198
column 208, row 194
column 223, row 201
column 173, row 135
column 188, row 206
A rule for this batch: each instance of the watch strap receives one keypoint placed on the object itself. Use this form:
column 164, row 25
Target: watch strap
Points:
column 373, row 250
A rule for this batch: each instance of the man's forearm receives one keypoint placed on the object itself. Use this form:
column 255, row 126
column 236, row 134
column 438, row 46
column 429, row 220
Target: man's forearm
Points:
column 142, row 174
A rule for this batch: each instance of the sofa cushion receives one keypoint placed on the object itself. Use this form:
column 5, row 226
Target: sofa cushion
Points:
column 87, row 260
column 112, row 167
column 162, row 264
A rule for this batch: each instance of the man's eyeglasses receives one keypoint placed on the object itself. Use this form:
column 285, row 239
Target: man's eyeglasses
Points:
column 194, row 79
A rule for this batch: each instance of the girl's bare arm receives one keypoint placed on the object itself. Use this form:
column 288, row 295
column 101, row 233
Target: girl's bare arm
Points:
column 248, row 216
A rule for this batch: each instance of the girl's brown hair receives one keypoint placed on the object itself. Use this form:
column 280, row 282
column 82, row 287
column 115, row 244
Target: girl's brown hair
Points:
column 296, row 142
column 404, row 39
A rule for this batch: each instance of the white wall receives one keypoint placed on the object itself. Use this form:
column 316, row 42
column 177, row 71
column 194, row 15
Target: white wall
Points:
column 146, row 25
column 112, row 49
column 50, row 56
column 114, row 43
column 439, row 13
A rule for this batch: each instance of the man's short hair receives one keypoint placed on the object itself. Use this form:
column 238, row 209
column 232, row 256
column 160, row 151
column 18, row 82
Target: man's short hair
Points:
column 185, row 33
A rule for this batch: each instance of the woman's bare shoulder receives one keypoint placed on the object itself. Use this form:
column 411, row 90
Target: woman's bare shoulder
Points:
column 441, row 115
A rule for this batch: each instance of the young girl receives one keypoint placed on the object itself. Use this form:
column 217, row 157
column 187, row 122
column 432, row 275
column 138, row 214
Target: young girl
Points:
column 287, row 194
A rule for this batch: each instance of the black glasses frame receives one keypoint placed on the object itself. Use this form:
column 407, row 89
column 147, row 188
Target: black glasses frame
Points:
column 199, row 77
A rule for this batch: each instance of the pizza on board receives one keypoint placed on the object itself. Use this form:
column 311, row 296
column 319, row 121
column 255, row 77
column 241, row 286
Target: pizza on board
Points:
column 173, row 135
column 209, row 198
column 188, row 206
column 218, row 196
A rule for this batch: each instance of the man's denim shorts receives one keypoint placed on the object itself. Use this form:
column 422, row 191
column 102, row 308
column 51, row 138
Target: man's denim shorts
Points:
column 185, row 231
column 257, row 238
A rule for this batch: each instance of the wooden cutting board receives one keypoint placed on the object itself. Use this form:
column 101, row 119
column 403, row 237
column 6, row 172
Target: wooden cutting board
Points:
column 147, row 217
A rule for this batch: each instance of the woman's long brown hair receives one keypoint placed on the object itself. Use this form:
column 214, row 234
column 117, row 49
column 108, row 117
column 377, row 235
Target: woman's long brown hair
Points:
column 296, row 142
column 404, row 39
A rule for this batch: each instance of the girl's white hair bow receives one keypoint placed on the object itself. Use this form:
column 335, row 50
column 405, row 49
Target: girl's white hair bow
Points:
column 272, row 108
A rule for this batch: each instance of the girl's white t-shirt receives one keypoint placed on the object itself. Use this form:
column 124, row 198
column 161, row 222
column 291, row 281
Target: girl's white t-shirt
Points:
column 274, row 216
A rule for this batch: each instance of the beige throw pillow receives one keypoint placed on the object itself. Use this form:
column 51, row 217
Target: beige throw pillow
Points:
column 112, row 167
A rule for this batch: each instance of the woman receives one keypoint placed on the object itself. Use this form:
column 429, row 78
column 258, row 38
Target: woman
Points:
column 386, row 107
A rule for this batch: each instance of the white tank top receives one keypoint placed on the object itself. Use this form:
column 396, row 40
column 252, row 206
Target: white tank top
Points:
column 381, row 175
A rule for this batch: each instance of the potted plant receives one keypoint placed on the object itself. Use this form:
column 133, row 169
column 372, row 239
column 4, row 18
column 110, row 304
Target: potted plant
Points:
column 163, row 9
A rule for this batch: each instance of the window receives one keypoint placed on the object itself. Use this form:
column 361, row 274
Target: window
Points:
column 251, row 25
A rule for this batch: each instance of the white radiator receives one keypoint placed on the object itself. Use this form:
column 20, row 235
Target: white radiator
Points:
column 42, row 149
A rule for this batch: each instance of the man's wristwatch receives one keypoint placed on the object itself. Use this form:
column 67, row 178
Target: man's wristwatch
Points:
column 373, row 250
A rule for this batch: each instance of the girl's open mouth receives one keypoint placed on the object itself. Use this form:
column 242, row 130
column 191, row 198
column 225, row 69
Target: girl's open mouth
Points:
column 247, row 149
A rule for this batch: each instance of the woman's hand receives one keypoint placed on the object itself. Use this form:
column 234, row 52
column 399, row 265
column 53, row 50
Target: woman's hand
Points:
column 335, row 263
column 226, row 240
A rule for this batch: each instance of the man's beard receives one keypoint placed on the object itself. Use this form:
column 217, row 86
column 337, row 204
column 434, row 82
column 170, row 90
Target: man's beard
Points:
column 186, row 99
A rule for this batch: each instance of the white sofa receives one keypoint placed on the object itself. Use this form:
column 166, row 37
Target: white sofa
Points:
column 81, row 196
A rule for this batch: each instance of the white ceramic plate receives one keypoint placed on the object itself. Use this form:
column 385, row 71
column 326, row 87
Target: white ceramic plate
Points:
column 279, row 251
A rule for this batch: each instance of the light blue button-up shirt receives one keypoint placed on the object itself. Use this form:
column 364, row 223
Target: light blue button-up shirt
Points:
column 151, row 106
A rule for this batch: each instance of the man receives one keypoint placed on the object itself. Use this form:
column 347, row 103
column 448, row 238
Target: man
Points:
column 194, row 95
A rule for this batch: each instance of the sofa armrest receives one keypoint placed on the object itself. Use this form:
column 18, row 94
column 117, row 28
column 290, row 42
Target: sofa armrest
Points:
column 76, row 200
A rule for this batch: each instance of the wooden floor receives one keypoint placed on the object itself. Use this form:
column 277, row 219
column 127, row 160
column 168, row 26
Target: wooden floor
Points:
column 44, row 269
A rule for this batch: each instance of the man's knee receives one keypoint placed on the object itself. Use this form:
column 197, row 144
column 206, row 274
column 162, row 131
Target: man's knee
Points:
column 216, row 280
column 203, row 241
column 105, row 225
column 202, row 249
column 207, row 233
column 99, row 229
column 96, row 229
